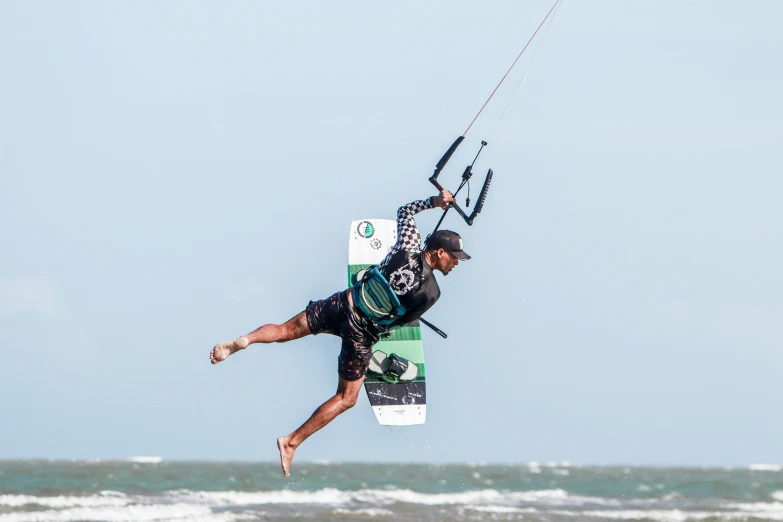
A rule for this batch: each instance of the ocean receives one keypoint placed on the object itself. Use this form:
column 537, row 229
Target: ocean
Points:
column 150, row 489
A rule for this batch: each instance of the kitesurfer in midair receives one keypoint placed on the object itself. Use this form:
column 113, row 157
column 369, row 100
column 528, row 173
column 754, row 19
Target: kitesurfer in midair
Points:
column 408, row 273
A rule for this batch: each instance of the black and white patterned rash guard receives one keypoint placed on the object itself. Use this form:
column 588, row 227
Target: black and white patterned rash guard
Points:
column 410, row 277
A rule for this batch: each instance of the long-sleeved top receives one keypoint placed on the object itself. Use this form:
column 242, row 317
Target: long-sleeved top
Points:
column 410, row 277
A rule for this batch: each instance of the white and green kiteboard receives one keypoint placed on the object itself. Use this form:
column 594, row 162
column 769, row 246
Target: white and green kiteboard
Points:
column 403, row 403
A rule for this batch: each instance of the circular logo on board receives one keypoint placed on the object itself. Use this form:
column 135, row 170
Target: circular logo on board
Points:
column 365, row 229
column 376, row 243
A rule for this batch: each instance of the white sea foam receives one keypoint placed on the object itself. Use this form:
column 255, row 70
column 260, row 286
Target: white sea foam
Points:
column 386, row 497
column 337, row 497
column 188, row 505
column 765, row 467
column 501, row 509
column 658, row 515
column 326, row 496
column 241, row 498
column 63, row 501
column 146, row 460
column 474, row 497
column 370, row 512
column 758, row 507
column 137, row 513
column 110, row 493
column 114, row 506
column 668, row 515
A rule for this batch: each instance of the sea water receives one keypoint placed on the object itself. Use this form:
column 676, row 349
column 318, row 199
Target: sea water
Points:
column 152, row 489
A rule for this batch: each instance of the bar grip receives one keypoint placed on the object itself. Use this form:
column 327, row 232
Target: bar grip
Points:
column 481, row 199
column 445, row 159
column 434, row 328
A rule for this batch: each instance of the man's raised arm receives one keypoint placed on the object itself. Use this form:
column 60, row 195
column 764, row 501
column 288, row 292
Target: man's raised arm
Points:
column 408, row 236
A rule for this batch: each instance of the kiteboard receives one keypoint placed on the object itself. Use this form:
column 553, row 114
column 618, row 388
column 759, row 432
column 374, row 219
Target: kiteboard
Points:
column 403, row 403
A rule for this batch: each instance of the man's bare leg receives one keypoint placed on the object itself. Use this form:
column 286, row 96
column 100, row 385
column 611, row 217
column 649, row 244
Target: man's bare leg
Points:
column 294, row 328
column 345, row 398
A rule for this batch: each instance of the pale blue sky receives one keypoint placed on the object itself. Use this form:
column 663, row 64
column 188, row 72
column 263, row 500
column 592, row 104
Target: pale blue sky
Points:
column 174, row 174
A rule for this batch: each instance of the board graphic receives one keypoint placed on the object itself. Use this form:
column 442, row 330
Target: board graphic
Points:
column 404, row 403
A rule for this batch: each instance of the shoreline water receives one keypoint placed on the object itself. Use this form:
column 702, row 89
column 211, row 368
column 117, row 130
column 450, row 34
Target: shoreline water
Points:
column 148, row 489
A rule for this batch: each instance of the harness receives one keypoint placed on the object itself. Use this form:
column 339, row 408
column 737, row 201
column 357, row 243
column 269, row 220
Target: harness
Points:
column 376, row 299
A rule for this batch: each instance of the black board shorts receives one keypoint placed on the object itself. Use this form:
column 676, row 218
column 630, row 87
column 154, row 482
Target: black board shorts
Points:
column 334, row 316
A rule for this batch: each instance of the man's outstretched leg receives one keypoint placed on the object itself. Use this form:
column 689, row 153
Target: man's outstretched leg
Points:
column 294, row 328
column 345, row 398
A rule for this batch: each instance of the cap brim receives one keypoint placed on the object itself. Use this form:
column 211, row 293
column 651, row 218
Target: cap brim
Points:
column 461, row 255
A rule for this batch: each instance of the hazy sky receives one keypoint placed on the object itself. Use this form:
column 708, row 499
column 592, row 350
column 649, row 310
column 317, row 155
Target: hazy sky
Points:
column 175, row 174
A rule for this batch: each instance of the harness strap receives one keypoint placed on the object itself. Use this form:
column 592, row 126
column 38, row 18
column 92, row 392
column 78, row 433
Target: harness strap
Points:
column 376, row 299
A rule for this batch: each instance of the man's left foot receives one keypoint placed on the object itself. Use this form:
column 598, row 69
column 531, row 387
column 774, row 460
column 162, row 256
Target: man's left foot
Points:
column 286, row 454
column 221, row 351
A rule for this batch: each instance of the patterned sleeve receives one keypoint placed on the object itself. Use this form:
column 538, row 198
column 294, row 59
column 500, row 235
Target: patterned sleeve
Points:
column 408, row 236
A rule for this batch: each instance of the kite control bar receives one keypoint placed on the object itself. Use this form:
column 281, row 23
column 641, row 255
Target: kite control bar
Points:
column 466, row 175
column 434, row 328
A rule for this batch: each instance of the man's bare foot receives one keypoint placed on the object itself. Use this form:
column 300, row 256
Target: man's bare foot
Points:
column 223, row 350
column 286, row 454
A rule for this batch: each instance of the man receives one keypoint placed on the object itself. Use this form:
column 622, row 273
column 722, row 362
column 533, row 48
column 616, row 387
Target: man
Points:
column 359, row 317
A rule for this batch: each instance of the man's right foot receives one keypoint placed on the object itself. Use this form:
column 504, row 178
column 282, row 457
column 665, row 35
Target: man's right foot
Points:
column 223, row 350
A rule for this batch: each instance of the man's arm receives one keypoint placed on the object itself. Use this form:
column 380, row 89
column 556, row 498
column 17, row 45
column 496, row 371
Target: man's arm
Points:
column 408, row 236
